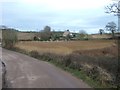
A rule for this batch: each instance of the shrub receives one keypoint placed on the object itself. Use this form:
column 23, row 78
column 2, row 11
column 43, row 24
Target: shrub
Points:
column 34, row 54
column 67, row 61
column 9, row 37
column 102, row 68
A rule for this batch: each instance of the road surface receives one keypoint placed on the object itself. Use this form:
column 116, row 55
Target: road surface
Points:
column 26, row 72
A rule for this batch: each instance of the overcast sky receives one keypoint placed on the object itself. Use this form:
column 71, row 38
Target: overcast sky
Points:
column 75, row 15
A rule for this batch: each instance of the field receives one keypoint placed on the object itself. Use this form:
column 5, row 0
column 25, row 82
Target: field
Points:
column 64, row 47
column 96, row 59
column 25, row 36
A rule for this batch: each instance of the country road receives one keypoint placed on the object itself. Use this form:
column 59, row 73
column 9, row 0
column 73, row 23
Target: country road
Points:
column 26, row 72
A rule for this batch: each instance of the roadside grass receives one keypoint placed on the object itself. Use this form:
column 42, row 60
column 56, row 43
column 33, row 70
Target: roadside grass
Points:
column 81, row 75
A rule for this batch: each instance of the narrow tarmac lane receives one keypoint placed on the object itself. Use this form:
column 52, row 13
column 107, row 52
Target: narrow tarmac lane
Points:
column 26, row 72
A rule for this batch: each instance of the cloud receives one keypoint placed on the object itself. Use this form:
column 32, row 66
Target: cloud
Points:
column 66, row 4
column 59, row 14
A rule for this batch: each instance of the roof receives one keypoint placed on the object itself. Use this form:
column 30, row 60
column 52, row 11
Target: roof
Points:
column 66, row 33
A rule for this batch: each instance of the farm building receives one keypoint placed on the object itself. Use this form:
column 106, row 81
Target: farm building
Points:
column 67, row 33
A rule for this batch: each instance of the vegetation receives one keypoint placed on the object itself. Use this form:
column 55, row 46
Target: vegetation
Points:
column 111, row 26
column 56, row 35
column 93, row 61
column 9, row 38
column 114, row 8
column 83, row 35
column 63, row 47
column 101, row 31
column 45, row 35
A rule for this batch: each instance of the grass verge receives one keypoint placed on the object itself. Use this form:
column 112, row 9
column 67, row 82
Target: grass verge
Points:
column 81, row 75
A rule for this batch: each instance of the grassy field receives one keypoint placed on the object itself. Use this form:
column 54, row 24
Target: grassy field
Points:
column 25, row 36
column 64, row 47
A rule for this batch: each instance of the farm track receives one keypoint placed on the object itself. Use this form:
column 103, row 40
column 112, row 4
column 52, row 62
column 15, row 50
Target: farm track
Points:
column 26, row 72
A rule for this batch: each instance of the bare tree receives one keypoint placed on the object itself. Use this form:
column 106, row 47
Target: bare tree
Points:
column 101, row 31
column 111, row 26
column 46, row 33
column 9, row 38
column 114, row 9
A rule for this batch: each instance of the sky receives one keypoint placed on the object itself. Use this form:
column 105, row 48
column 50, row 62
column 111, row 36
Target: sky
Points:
column 60, row 15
